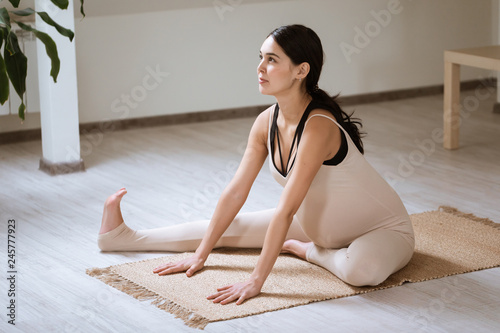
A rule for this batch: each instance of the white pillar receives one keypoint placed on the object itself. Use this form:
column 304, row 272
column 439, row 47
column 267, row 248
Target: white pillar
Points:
column 58, row 101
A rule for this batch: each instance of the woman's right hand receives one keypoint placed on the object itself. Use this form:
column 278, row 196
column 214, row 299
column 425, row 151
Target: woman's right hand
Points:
column 189, row 265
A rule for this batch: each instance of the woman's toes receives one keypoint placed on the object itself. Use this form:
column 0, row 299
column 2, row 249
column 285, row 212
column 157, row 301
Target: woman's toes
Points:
column 121, row 192
column 295, row 247
column 114, row 200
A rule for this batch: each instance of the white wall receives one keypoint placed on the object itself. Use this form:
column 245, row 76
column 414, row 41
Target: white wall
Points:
column 211, row 55
column 495, row 27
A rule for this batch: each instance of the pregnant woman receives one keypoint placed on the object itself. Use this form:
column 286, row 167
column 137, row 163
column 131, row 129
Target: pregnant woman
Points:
column 335, row 210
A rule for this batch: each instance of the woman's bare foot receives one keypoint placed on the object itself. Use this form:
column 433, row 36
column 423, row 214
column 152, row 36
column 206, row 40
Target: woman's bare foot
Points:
column 295, row 247
column 112, row 216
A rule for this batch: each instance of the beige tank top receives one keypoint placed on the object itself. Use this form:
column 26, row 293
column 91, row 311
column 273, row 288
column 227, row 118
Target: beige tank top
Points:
column 346, row 200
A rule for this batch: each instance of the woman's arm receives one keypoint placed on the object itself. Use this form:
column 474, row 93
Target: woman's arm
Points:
column 232, row 199
column 236, row 193
column 320, row 141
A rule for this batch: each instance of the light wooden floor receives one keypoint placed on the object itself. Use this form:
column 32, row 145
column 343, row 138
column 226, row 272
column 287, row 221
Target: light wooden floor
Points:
column 174, row 174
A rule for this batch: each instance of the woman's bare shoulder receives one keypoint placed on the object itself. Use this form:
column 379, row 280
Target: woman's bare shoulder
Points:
column 322, row 128
column 262, row 120
column 261, row 124
column 321, row 111
column 267, row 112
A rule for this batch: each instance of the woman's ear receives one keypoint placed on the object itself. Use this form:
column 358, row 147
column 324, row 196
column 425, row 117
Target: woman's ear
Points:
column 303, row 70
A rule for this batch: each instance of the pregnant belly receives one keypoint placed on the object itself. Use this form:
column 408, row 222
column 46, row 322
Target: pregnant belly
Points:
column 337, row 223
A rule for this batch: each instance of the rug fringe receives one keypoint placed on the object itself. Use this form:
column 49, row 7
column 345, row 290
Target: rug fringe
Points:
column 119, row 282
column 456, row 212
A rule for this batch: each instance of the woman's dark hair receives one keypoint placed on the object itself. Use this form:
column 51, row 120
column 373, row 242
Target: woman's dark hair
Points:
column 302, row 44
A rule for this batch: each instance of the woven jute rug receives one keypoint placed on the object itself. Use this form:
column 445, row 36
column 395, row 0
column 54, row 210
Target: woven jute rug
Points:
column 448, row 242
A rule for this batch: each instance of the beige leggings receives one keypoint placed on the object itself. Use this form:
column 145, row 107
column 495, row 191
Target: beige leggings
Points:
column 369, row 260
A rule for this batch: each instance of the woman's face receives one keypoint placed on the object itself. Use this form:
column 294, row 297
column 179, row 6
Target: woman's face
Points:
column 277, row 73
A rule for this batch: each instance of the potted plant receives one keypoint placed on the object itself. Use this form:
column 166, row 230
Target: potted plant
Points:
column 13, row 62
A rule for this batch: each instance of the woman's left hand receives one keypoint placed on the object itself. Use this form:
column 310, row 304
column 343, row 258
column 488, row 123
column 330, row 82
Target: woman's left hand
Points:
column 238, row 291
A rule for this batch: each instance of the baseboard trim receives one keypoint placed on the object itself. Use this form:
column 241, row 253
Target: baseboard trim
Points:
column 172, row 119
column 243, row 112
column 20, row 136
column 61, row 168
column 392, row 95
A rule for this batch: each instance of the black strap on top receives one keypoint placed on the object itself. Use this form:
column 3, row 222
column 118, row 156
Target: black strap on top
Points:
column 339, row 156
column 279, row 150
column 341, row 153
column 295, row 141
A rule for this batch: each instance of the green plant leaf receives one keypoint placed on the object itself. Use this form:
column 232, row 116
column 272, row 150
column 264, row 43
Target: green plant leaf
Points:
column 15, row 3
column 81, row 8
column 17, row 67
column 63, row 31
column 50, row 48
column 4, row 82
column 21, row 110
column 4, row 78
column 4, row 17
column 11, row 43
column 24, row 12
column 47, row 19
column 63, row 4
